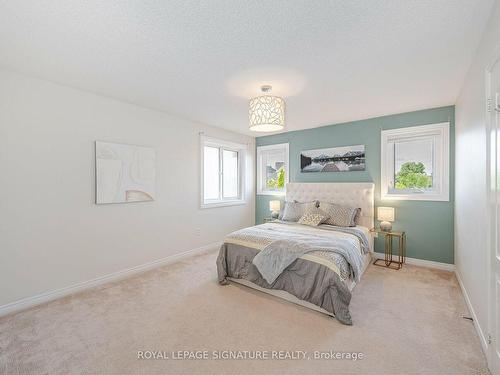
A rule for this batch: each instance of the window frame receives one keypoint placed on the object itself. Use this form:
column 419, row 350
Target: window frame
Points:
column 229, row 146
column 440, row 168
column 260, row 178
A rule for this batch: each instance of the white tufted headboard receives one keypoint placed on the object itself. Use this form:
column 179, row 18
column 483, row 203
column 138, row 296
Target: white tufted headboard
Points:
column 352, row 194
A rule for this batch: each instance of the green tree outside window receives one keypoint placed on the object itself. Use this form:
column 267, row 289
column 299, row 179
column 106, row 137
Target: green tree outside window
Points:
column 412, row 175
column 277, row 183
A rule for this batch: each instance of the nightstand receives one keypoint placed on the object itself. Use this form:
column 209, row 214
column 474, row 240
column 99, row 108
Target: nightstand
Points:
column 269, row 220
column 388, row 258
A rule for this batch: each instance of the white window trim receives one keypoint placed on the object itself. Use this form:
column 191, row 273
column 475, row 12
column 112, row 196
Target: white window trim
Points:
column 442, row 168
column 219, row 143
column 260, row 149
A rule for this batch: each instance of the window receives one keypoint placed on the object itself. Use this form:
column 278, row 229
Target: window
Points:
column 415, row 163
column 272, row 169
column 222, row 178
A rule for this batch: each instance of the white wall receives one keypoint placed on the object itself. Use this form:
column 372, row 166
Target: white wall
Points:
column 52, row 235
column 471, row 253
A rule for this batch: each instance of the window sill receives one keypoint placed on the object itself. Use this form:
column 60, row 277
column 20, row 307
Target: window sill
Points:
column 236, row 202
column 269, row 192
column 416, row 197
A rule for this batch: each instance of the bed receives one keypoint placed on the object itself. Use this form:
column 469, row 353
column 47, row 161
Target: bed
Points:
column 322, row 279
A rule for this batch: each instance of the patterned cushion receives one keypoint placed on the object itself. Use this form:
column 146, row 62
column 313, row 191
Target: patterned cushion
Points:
column 293, row 211
column 339, row 215
column 314, row 217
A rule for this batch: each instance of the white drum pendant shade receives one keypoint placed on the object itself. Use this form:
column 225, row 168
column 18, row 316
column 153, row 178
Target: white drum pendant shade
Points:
column 266, row 113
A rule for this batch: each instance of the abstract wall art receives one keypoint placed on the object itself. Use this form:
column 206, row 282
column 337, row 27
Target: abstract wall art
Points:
column 124, row 173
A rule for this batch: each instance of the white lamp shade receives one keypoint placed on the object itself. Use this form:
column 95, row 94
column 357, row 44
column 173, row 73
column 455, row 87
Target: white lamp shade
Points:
column 266, row 113
column 385, row 213
column 274, row 206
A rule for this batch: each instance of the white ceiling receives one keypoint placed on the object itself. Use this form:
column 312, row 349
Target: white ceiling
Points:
column 332, row 61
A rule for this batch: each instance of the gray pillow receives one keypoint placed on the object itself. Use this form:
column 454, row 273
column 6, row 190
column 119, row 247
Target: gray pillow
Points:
column 293, row 211
column 316, row 203
column 340, row 216
column 357, row 216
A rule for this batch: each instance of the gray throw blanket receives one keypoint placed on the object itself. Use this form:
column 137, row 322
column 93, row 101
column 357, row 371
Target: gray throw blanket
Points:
column 279, row 254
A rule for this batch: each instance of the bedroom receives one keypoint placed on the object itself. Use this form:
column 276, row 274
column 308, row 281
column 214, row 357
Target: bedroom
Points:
column 205, row 187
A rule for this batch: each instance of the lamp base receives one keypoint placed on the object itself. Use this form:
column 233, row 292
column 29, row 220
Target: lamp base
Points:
column 385, row 226
column 275, row 214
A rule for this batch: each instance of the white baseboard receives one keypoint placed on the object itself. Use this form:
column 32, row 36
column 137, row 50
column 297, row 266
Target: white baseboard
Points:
column 421, row 262
column 38, row 299
column 482, row 337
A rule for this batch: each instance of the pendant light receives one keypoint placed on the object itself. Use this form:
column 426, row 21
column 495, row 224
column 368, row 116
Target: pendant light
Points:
column 266, row 113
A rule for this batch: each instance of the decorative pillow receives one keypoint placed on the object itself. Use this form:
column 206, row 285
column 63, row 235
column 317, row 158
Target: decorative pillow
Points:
column 294, row 211
column 357, row 216
column 316, row 203
column 313, row 217
column 340, row 216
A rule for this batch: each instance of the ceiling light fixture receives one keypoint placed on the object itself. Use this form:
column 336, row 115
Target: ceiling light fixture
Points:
column 266, row 113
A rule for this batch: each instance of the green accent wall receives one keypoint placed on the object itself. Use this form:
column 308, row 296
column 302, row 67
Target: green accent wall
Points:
column 428, row 224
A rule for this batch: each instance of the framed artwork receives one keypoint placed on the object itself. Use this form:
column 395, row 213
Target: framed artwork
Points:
column 335, row 159
column 124, row 173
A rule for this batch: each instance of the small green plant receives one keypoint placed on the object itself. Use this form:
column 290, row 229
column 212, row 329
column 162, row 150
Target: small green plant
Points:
column 281, row 178
column 412, row 175
column 277, row 183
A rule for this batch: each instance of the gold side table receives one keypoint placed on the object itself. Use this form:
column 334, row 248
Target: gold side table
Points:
column 388, row 260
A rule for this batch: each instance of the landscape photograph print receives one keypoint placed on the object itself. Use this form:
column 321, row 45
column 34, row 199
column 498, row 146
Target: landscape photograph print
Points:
column 335, row 159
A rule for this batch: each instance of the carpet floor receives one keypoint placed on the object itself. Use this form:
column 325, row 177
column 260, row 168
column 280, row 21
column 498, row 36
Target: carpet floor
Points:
column 405, row 322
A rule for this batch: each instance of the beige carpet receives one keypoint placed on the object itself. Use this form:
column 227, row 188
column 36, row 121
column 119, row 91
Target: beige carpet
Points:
column 405, row 322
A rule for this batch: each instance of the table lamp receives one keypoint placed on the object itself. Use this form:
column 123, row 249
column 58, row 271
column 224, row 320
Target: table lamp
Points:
column 385, row 215
column 274, row 207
